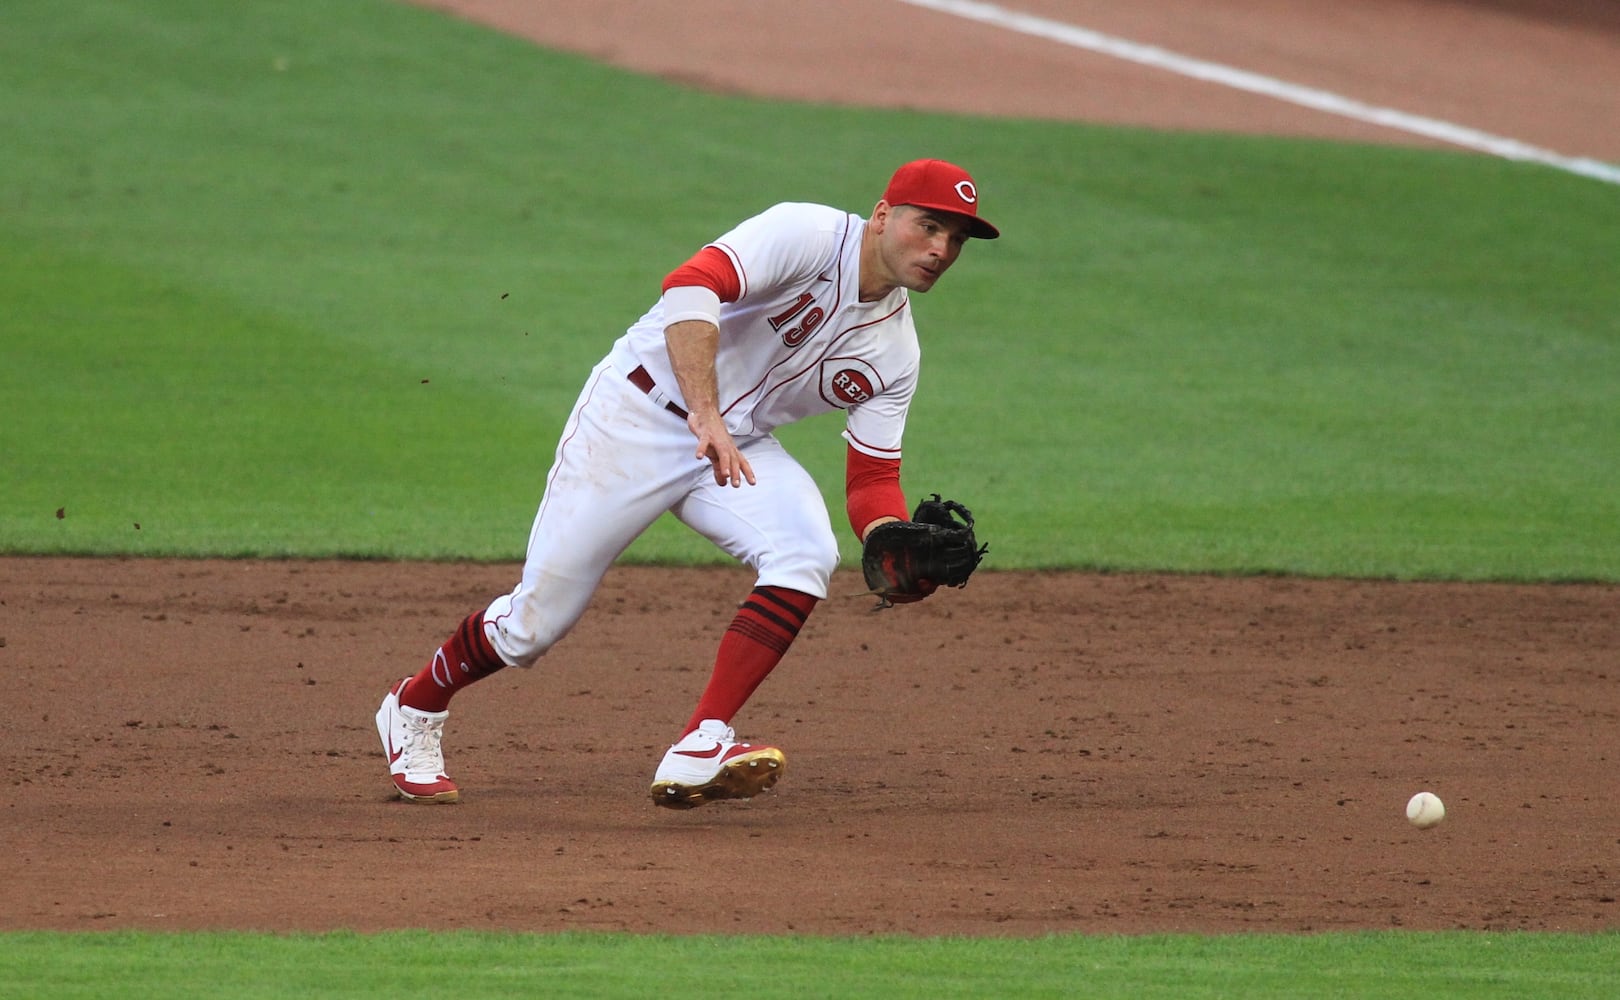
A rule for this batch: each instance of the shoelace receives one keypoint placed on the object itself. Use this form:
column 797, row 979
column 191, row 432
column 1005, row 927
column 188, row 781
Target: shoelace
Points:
column 726, row 735
column 423, row 744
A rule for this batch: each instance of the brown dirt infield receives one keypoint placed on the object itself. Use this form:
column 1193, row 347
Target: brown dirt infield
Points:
column 192, row 745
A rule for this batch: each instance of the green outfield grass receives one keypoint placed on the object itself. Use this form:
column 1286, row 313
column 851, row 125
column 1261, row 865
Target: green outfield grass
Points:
column 1370, row 966
column 323, row 279
column 300, row 279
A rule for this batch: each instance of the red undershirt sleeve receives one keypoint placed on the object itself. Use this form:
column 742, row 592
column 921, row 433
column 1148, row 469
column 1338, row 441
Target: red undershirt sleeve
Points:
column 709, row 268
column 872, row 489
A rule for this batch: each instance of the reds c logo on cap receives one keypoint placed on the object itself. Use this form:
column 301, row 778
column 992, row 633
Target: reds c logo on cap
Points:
column 943, row 187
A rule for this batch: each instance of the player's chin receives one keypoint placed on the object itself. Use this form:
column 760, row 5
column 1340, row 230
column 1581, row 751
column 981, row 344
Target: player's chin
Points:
column 923, row 280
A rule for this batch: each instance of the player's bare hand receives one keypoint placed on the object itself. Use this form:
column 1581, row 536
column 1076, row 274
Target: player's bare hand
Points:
column 714, row 443
column 729, row 466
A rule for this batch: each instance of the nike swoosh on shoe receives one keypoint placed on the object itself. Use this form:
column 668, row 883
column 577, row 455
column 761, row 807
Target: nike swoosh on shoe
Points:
column 708, row 754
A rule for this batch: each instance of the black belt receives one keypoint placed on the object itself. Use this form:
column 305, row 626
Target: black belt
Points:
column 641, row 380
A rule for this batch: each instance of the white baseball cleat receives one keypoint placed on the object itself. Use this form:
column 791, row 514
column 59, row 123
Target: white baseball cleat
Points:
column 411, row 738
column 708, row 763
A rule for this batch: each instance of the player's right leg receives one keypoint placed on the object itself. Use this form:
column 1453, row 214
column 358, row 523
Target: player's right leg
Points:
column 621, row 463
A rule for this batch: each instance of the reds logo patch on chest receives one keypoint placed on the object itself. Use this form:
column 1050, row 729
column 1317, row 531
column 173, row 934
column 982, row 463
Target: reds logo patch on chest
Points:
column 847, row 382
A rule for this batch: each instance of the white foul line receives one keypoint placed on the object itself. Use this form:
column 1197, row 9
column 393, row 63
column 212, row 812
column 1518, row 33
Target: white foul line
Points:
column 1308, row 97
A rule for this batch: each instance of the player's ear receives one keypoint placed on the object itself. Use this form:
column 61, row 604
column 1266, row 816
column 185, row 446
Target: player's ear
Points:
column 880, row 215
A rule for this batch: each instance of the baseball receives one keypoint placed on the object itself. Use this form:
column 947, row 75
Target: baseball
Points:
column 1425, row 810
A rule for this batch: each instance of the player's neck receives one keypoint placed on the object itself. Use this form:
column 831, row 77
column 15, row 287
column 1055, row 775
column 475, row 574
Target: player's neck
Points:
column 875, row 280
column 876, row 291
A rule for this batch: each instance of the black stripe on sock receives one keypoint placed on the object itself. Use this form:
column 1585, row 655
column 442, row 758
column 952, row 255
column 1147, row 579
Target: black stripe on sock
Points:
column 791, row 628
column 762, row 634
column 769, row 594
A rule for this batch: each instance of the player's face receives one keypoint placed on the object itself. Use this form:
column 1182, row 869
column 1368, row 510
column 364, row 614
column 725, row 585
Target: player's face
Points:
column 919, row 245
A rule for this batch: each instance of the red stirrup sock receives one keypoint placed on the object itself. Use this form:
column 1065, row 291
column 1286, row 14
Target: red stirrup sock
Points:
column 765, row 626
column 465, row 657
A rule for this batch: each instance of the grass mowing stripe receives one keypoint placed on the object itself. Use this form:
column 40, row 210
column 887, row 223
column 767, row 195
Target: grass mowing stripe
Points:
column 173, row 420
column 1392, row 965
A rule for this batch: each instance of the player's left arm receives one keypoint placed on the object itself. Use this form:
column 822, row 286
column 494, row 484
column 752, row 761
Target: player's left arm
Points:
column 903, row 558
column 872, row 494
column 874, row 430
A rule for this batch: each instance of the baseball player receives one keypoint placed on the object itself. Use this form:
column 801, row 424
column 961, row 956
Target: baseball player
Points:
column 799, row 310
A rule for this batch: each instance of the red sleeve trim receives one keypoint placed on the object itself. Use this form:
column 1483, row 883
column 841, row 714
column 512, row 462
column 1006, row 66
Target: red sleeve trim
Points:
column 709, row 268
column 872, row 489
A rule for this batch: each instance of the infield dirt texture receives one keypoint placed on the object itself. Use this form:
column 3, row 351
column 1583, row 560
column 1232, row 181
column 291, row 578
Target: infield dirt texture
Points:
column 1036, row 753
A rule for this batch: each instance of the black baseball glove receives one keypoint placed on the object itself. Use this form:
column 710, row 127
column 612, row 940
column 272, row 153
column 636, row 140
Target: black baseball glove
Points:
column 905, row 561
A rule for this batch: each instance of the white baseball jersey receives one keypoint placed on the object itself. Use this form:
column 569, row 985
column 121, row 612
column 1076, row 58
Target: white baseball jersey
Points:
column 798, row 341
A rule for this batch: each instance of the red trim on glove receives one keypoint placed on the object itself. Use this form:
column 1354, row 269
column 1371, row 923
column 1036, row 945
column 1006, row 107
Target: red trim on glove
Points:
column 872, row 489
column 709, row 268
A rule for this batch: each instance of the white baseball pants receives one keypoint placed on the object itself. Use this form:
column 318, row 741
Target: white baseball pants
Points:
column 623, row 460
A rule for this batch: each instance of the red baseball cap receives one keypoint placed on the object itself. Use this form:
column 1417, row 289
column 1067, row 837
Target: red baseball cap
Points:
column 942, row 187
